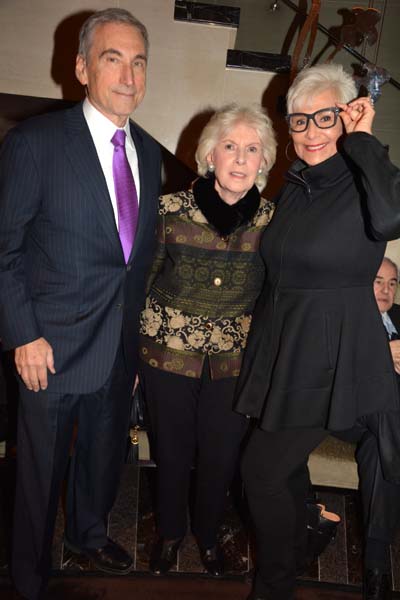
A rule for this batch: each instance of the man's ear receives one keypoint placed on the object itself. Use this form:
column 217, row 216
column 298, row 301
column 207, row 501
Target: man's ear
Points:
column 80, row 70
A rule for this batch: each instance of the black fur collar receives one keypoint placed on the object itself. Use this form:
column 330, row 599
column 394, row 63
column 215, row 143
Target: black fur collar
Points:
column 224, row 217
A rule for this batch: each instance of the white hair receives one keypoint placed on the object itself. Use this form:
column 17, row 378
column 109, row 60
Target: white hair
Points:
column 223, row 120
column 315, row 80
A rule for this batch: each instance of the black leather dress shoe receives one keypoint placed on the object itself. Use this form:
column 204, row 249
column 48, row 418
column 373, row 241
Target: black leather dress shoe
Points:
column 377, row 585
column 111, row 558
column 212, row 560
column 164, row 555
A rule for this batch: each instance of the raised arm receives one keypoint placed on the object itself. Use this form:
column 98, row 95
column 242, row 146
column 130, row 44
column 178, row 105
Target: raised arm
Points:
column 380, row 178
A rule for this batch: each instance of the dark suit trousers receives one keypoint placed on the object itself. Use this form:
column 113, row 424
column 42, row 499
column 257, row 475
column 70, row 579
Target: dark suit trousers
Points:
column 45, row 428
column 274, row 470
column 193, row 424
column 380, row 498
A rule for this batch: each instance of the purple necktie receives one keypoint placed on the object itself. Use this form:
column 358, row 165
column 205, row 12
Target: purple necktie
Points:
column 125, row 191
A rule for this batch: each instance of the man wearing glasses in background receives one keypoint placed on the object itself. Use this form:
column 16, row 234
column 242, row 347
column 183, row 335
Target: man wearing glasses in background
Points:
column 380, row 498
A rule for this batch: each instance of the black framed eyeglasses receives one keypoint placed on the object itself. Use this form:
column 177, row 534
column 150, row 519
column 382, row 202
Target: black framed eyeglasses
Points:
column 323, row 118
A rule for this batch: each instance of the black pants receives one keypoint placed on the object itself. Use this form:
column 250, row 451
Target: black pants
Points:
column 45, row 426
column 274, row 470
column 380, row 498
column 193, row 424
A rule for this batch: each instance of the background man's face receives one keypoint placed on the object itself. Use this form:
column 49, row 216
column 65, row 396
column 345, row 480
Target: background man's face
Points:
column 115, row 71
column 385, row 286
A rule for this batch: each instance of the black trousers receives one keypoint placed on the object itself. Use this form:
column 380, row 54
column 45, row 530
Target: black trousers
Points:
column 192, row 424
column 45, row 427
column 274, row 470
column 380, row 498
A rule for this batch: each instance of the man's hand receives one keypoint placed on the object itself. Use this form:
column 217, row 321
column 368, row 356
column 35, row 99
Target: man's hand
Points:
column 395, row 350
column 32, row 361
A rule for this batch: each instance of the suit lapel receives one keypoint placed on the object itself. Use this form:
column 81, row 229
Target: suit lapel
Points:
column 394, row 314
column 82, row 154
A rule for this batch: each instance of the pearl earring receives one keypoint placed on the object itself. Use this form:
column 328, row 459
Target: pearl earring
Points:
column 260, row 171
column 211, row 167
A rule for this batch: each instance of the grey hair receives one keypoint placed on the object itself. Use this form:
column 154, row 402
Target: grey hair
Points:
column 318, row 79
column 392, row 264
column 109, row 15
column 223, row 120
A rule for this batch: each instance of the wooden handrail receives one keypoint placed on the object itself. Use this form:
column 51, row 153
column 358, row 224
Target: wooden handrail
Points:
column 324, row 30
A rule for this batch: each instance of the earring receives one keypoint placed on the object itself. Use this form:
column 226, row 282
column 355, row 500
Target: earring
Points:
column 211, row 167
column 260, row 171
column 289, row 158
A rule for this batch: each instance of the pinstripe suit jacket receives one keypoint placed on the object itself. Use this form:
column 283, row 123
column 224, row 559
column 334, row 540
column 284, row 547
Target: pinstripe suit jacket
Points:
column 62, row 270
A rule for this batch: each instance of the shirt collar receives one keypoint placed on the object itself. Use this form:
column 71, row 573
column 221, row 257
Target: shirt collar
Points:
column 101, row 128
column 328, row 173
column 388, row 323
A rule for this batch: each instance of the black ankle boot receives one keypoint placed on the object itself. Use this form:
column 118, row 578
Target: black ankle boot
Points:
column 320, row 532
column 376, row 585
column 163, row 556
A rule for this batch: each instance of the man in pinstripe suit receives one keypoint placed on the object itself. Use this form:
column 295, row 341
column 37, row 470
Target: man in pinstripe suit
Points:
column 70, row 298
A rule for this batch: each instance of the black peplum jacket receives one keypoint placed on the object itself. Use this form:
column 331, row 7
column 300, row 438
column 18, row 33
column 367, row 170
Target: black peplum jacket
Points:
column 317, row 353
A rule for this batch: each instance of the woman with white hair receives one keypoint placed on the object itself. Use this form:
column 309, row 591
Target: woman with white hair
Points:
column 308, row 367
column 206, row 278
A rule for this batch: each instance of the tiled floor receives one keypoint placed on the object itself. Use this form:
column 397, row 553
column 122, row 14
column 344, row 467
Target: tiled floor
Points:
column 184, row 587
column 131, row 523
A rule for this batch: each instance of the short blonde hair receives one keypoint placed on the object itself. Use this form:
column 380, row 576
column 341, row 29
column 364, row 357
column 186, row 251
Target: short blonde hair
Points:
column 315, row 80
column 223, row 120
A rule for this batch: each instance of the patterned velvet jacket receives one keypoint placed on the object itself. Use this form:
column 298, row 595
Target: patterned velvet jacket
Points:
column 205, row 281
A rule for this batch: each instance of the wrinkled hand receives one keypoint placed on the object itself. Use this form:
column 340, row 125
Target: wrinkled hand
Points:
column 357, row 115
column 395, row 350
column 32, row 361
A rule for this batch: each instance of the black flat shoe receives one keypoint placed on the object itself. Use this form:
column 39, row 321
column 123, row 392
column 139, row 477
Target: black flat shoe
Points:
column 321, row 531
column 111, row 558
column 164, row 555
column 377, row 585
column 212, row 560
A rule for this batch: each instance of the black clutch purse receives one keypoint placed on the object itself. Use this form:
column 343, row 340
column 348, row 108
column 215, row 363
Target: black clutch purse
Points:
column 137, row 423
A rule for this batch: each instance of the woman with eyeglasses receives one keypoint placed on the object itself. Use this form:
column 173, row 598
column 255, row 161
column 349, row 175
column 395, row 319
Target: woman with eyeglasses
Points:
column 317, row 358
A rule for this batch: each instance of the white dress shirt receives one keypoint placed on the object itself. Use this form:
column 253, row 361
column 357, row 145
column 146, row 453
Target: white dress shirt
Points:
column 102, row 130
column 388, row 323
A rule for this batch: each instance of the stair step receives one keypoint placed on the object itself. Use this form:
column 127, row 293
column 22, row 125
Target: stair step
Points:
column 211, row 14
